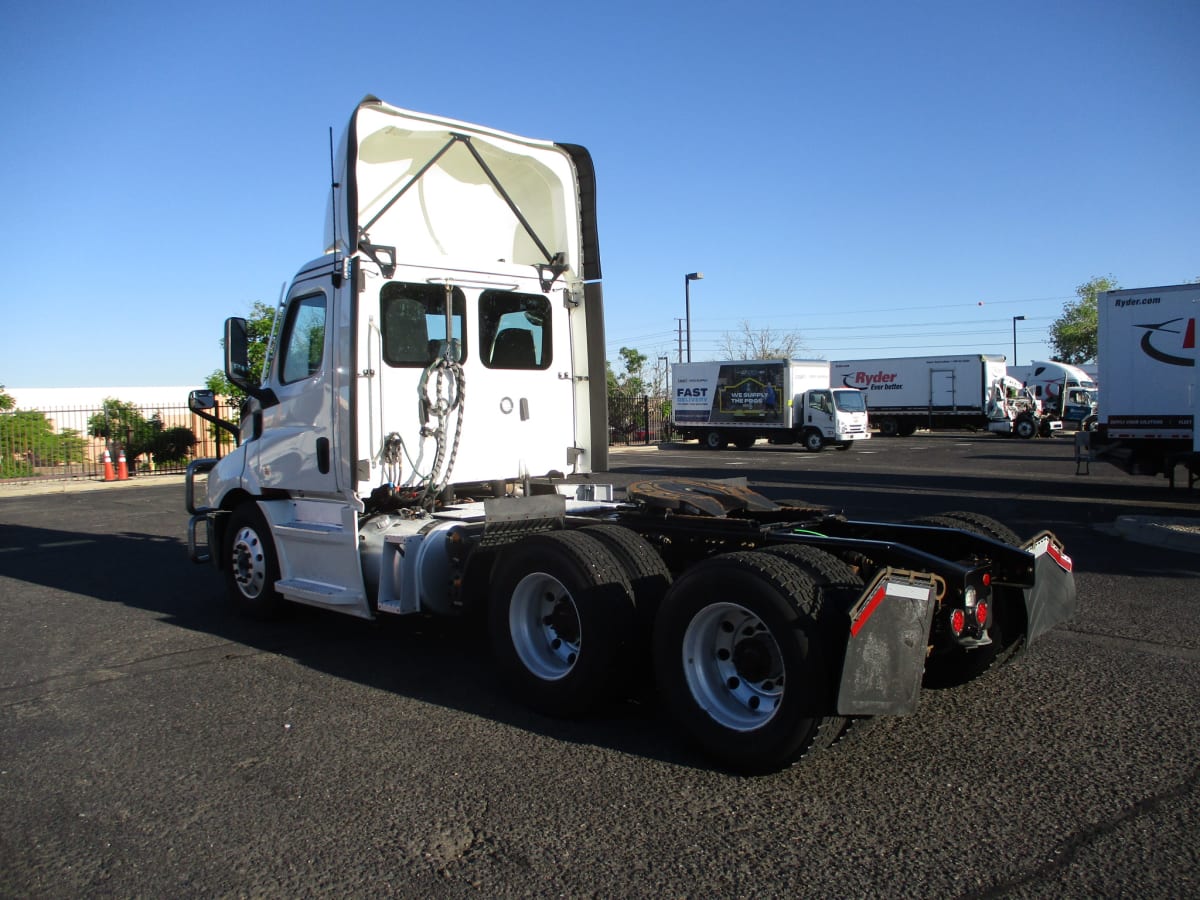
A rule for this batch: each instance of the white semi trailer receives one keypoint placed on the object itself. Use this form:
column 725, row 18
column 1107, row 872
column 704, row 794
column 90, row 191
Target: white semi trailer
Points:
column 786, row 401
column 1147, row 359
column 425, row 439
column 958, row 391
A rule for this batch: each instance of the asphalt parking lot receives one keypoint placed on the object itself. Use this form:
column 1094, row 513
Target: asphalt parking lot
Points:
column 155, row 744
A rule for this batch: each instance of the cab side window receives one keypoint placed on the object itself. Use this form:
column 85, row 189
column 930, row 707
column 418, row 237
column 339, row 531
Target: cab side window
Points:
column 303, row 339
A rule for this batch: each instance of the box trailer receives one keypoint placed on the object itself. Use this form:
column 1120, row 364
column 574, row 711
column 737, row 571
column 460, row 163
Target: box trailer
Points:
column 786, row 401
column 1146, row 344
column 958, row 391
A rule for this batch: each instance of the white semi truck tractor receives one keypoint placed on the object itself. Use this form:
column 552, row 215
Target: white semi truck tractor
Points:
column 426, row 437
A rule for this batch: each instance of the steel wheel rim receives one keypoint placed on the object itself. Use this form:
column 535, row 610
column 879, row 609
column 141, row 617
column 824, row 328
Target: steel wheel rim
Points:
column 544, row 624
column 249, row 562
column 733, row 666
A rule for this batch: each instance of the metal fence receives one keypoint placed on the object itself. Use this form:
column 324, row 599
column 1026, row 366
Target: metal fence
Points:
column 70, row 442
column 638, row 418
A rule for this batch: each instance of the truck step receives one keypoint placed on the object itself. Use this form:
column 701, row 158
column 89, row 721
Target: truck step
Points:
column 317, row 593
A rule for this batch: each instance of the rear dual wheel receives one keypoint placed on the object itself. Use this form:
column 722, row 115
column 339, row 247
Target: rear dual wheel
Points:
column 561, row 614
column 740, row 660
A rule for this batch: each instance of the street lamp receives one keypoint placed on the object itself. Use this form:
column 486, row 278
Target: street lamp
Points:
column 1016, row 319
column 687, row 301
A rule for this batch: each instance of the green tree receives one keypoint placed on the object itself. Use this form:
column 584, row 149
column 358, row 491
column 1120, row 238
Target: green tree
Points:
column 28, row 440
column 259, row 323
column 1073, row 334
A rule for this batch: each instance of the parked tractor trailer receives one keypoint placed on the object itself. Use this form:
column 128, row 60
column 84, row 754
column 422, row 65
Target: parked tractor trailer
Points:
column 427, row 440
column 973, row 391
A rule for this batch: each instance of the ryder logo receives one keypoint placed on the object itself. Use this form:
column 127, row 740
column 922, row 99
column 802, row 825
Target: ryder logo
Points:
column 1155, row 339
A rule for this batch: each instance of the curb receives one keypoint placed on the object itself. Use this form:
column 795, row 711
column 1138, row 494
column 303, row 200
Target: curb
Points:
column 1171, row 533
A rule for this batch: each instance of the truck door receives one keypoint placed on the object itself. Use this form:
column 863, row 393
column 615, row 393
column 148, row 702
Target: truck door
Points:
column 295, row 450
column 941, row 389
column 819, row 412
column 523, row 399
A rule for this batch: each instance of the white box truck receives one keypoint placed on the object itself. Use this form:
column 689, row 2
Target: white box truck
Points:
column 783, row 400
column 439, row 374
column 1066, row 392
column 960, row 391
column 1146, row 345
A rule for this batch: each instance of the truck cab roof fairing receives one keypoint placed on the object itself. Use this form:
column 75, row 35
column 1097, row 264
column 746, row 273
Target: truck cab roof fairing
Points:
column 438, row 190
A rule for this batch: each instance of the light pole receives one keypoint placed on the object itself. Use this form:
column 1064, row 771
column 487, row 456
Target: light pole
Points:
column 1016, row 319
column 687, row 302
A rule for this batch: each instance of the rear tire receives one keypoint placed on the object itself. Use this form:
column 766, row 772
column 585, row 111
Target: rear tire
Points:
column 714, row 440
column 647, row 573
column 744, row 441
column 251, row 564
column 740, row 660
column 560, row 614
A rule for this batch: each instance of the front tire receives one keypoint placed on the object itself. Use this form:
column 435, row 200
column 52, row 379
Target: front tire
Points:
column 740, row 660
column 561, row 613
column 1025, row 428
column 813, row 441
column 251, row 564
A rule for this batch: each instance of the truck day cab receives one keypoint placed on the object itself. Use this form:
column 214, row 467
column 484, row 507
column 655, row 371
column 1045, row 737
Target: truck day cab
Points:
column 784, row 400
column 1066, row 392
column 423, row 442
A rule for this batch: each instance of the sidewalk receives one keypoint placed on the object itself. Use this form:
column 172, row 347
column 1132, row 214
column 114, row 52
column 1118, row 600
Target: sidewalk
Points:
column 34, row 488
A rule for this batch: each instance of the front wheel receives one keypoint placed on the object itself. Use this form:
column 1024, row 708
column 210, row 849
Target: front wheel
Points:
column 813, row 441
column 251, row 564
column 561, row 613
column 1024, row 427
column 740, row 662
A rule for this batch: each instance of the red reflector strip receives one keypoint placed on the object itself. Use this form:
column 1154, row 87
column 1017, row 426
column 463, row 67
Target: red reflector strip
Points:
column 1059, row 557
column 867, row 611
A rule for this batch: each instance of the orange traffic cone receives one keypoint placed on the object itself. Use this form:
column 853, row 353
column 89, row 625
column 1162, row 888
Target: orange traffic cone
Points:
column 108, row 469
column 122, row 468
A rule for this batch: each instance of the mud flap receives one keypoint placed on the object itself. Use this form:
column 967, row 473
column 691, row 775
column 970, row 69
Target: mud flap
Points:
column 886, row 646
column 1051, row 600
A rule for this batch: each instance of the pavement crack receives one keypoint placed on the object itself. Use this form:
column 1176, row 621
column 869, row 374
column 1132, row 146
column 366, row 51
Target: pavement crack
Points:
column 69, row 682
column 1066, row 852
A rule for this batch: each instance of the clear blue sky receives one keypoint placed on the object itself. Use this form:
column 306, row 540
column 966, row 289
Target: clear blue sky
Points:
column 863, row 173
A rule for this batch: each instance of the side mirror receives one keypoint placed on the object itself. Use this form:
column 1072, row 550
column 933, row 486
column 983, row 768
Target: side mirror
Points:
column 198, row 400
column 237, row 362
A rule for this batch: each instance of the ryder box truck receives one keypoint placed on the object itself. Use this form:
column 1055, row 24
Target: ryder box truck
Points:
column 963, row 391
